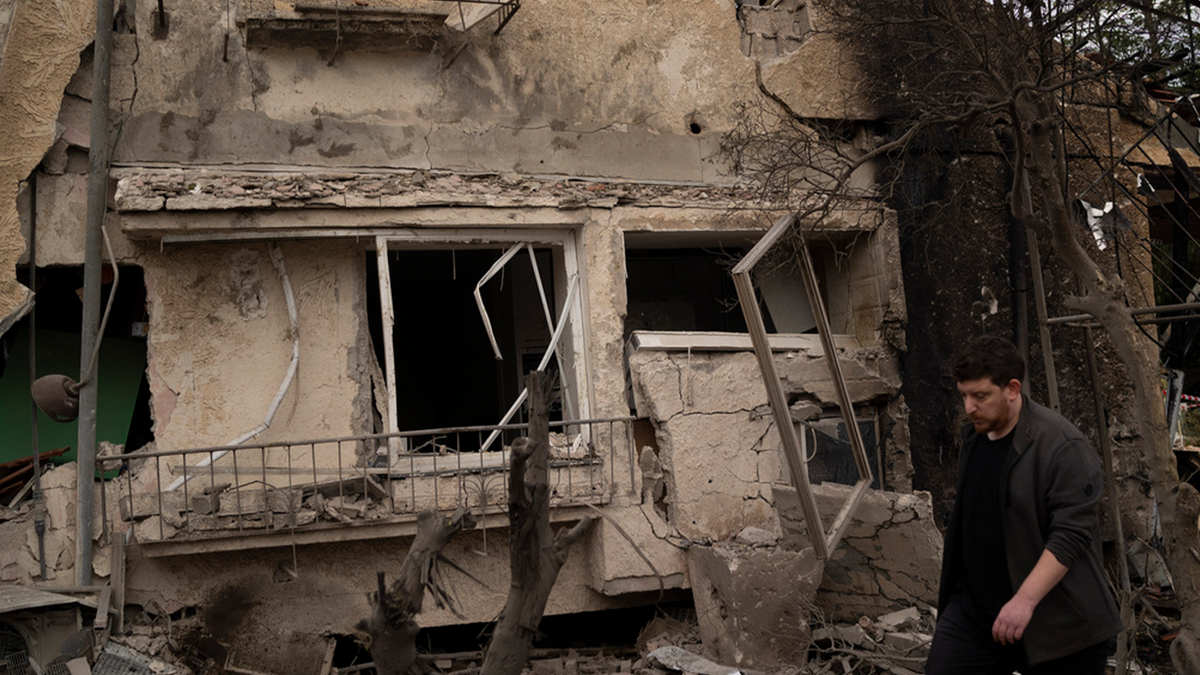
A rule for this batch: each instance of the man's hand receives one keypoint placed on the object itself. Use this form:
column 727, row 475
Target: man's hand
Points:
column 1015, row 614
column 1014, row 617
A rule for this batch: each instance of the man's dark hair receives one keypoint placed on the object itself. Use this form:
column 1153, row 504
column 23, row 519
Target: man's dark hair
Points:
column 988, row 356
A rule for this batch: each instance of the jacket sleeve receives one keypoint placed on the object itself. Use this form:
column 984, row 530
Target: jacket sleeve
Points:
column 1075, row 486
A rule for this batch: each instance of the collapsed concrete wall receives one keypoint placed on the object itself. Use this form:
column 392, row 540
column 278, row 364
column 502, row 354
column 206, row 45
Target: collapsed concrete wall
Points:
column 41, row 53
column 716, row 439
column 889, row 559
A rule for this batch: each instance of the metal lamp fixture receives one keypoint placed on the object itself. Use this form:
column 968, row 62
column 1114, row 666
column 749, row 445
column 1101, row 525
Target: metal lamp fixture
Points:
column 57, row 396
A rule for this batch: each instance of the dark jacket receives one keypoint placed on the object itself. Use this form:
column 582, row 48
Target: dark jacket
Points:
column 1051, row 496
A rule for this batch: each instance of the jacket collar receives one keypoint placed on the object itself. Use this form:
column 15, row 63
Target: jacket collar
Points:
column 1021, row 432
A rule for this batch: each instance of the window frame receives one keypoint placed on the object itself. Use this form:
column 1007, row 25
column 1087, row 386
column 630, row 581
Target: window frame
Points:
column 572, row 345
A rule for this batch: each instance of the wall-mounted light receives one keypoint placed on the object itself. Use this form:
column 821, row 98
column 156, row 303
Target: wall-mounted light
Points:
column 57, row 396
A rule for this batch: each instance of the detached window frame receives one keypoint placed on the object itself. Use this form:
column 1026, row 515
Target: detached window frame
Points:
column 824, row 541
column 572, row 344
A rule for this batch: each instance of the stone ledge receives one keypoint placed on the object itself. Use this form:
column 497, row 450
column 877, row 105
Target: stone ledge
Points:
column 148, row 190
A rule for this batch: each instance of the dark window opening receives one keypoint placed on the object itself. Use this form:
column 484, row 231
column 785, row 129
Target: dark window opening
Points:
column 123, row 407
column 446, row 372
column 831, row 459
column 682, row 289
column 14, row 650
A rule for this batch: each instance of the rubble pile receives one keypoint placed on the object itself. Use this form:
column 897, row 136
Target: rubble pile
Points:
column 895, row 643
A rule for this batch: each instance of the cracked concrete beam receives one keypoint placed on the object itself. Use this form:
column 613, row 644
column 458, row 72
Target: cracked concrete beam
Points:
column 41, row 54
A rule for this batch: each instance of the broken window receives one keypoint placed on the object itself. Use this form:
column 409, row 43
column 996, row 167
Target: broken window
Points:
column 778, row 242
column 828, row 452
column 123, row 399
column 680, row 282
column 467, row 319
column 681, row 289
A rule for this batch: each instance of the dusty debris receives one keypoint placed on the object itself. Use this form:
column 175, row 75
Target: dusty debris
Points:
column 757, row 536
column 883, row 563
column 754, row 605
column 895, row 643
column 677, row 658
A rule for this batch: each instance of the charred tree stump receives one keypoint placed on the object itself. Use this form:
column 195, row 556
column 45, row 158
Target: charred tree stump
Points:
column 536, row 552
column 392, row 628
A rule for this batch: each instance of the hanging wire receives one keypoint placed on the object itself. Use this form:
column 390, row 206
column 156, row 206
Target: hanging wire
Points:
column 1165, row 260
column 1139, row 326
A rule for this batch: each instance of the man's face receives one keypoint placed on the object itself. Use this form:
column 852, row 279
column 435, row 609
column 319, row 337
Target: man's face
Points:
column 990, row 406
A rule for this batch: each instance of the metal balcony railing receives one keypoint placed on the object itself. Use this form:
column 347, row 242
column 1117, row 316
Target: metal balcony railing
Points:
column 354, row 480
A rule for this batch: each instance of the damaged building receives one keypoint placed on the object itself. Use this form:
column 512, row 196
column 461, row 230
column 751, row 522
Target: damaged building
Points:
column 341, row 233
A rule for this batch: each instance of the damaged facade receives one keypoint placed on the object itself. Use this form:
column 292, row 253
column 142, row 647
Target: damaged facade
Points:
column 308, row 205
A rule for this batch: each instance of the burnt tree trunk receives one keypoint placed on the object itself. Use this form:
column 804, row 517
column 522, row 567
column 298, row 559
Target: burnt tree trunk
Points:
column 536, row 553
column 392, row 627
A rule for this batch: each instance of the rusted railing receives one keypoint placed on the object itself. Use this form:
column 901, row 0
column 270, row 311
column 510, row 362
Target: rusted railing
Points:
column 353, row 479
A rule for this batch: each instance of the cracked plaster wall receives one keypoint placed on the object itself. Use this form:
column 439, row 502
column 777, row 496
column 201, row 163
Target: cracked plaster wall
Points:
column 220, row 344
column 41, row 53
column 889, row 558
column 62, row 176
column 557, row 91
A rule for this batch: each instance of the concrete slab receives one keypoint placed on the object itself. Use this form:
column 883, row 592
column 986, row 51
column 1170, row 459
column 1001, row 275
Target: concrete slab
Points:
column 754, row 606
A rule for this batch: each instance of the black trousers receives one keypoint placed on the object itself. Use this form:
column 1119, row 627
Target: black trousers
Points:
column 962, row 645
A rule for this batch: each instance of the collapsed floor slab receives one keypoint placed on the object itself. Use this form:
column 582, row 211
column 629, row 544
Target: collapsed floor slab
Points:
column 754, row 605
column 890, row 556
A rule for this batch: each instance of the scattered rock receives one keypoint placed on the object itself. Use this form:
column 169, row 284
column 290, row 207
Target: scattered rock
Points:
column 677, row 658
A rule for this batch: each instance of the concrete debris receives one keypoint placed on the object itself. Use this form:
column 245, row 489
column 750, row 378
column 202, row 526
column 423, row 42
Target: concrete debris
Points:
column 677, row 658
column 664, row 630
column 904, row 618
column 883, row 563
column 879, row 645
column 754, row 606
column 756, row 536
column 157, row 516
column 118, row 659
column 866, row 646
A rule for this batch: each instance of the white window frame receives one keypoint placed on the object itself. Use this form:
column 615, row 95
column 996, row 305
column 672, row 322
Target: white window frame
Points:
column 572, row 345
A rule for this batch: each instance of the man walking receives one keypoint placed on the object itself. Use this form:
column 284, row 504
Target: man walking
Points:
column 1022, row 584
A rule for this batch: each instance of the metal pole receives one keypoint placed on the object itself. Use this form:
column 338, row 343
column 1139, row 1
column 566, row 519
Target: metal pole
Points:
column 97, row 206
column 1039, row 299
column 39, row 508
column 1137, row 311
